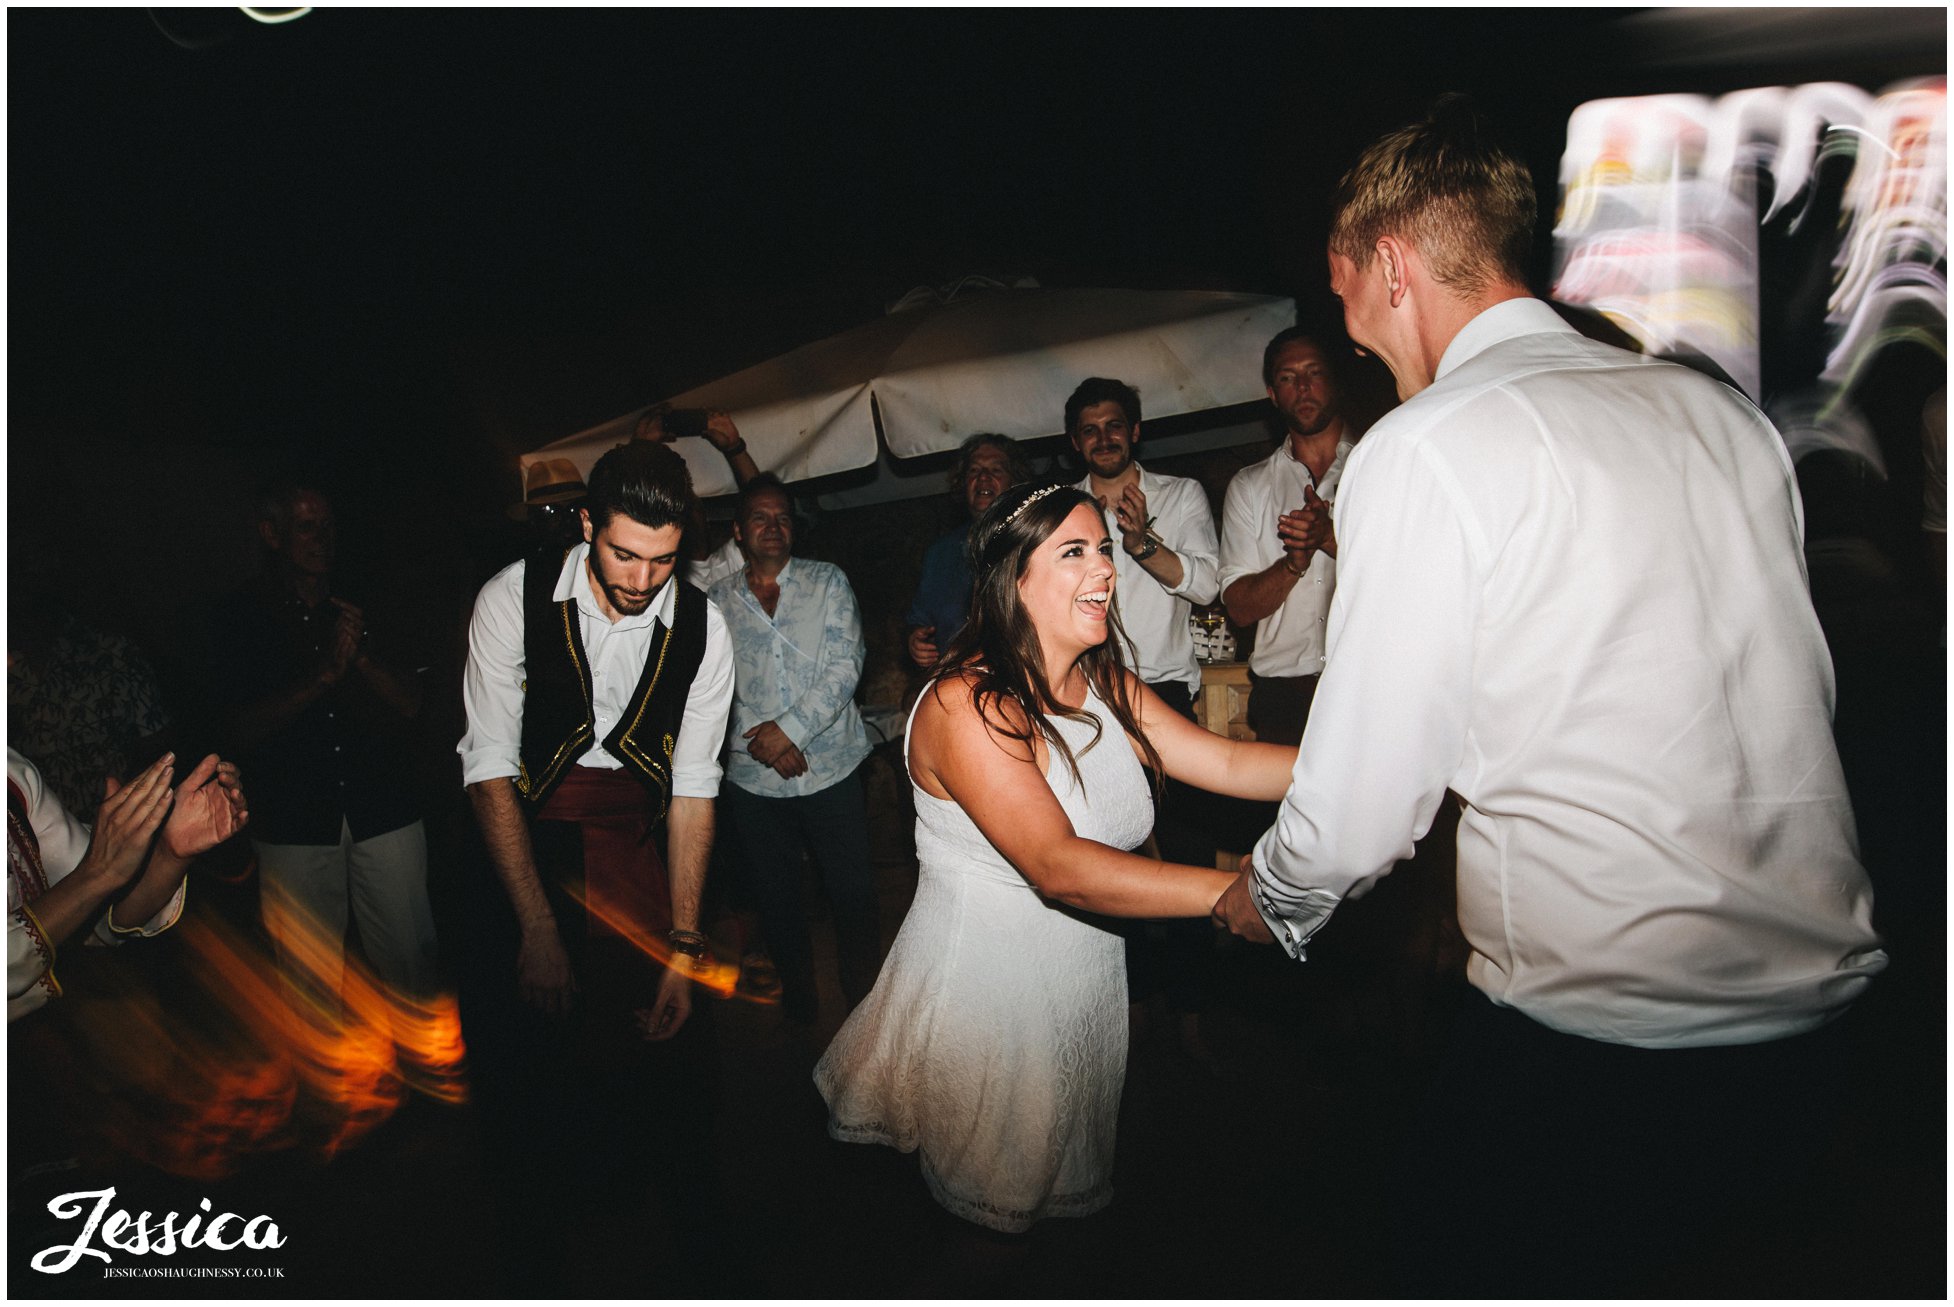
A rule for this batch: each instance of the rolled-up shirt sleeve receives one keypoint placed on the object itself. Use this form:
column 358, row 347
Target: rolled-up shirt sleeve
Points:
column 491, row 686
column 1247, row 540
column 1190, row 534
column 1387, row 730
column 702, row 731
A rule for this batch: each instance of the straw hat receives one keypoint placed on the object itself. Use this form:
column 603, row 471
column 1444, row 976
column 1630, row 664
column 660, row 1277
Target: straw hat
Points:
column 549, row 481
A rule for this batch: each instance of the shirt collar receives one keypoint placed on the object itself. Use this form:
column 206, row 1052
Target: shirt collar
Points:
column 785, row 577
column 1284, row 450
column 1148, row 482
column 1505, row 320
column 572, row 583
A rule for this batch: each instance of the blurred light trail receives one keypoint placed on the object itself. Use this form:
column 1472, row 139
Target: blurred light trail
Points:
column 1659, row 230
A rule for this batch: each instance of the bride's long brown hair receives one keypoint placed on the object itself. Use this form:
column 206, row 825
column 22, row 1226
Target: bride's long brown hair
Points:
column 998, row 647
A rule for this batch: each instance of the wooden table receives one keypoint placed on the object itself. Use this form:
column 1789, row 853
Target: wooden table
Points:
column 1223, row 709
column 1223, row 705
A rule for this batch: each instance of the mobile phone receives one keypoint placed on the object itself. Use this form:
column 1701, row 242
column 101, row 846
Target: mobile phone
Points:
column 686, row 421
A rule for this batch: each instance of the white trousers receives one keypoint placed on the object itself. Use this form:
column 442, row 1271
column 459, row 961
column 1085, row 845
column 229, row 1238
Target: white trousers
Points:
column 381, row 882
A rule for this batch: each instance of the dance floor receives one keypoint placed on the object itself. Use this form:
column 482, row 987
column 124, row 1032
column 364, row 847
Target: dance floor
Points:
column 1258, row 1173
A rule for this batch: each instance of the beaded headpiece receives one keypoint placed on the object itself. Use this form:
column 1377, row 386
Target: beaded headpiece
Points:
column 1012, row 516
column 1029, row 500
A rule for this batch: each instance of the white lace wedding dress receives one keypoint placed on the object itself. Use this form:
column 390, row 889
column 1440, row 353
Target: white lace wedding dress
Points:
column 994, row 1041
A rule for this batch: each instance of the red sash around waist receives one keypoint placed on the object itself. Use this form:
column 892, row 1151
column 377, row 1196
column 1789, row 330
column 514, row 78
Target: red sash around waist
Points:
column 625, row 888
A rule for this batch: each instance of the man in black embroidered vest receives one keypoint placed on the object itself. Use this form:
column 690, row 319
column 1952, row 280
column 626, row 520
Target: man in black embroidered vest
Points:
column 597, row 693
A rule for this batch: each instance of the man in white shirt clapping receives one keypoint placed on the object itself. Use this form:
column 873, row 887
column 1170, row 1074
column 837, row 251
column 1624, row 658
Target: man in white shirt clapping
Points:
column 1165, row 565
column 1278, row 543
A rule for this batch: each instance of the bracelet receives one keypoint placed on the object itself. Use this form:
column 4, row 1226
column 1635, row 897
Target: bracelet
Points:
column 689, row 942
column 1292, row 571
column 738, row 448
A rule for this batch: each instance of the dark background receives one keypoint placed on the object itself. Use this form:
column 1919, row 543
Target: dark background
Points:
column 421, row 233
column 389, row 250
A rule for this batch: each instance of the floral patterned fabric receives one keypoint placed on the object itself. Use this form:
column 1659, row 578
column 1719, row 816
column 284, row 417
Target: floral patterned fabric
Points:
column 798, row 669
column 78, row 706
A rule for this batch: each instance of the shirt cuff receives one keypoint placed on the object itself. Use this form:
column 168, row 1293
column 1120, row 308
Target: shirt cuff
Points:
column 696, row 782
column 793, row 728
column 1230, row 575
column 1305, row 915
column 488, row 765
column 1189, row 588
column 165, row 917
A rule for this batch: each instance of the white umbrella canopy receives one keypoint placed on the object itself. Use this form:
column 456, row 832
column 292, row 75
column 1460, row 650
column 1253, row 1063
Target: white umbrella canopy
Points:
column 1000, row 360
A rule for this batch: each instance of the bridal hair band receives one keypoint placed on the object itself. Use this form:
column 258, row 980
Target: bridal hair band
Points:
column 1029, row 500
column 1013, row 514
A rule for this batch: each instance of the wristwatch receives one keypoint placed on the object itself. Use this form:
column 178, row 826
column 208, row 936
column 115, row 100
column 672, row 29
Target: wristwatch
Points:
column 1153, row 547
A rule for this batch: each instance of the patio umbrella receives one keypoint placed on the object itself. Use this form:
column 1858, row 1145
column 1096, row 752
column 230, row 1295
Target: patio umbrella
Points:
column 927, row 375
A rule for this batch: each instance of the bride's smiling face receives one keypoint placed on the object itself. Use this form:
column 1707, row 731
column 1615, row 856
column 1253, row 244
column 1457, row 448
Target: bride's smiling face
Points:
column 1067, row 587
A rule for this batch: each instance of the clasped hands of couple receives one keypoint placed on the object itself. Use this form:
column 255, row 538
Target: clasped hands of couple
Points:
column 1235, row 909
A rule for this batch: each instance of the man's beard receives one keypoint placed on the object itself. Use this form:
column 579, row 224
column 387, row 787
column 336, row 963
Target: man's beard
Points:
column 625, row 604
column 1097, row 456
column 1320, row 421
column 622, row 599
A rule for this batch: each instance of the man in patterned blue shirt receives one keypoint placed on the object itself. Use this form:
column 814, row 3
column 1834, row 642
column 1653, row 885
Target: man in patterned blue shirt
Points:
column 797, row 746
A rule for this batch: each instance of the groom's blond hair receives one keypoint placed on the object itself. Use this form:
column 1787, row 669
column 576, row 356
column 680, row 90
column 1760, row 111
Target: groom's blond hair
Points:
column 1444, row 186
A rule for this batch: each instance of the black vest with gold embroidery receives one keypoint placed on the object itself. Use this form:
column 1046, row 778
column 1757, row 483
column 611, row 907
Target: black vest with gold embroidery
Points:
column 558, row 722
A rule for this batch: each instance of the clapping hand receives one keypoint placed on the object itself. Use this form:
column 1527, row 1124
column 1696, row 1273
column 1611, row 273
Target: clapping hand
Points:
column 343, row 645
column 209, row 809
column 1306, row 531
column 1313, row 518
column 1292, row 533
column 1130, row 514
column 348, row 632
column 126, row 822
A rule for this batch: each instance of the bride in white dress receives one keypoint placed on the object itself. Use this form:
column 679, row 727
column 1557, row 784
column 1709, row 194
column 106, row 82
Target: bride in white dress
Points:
column 994, row 1041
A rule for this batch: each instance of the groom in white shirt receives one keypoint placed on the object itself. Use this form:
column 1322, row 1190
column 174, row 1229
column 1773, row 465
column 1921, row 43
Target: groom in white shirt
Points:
column 1571, row 592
